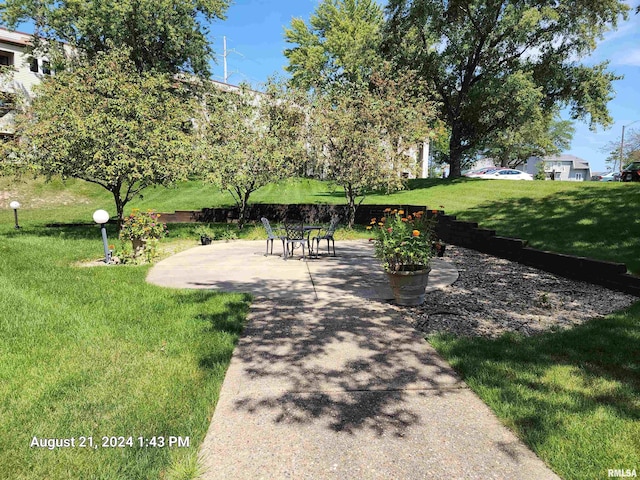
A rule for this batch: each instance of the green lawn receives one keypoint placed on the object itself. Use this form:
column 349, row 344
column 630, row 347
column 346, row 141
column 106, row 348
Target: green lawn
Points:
column 98, row 352
column 590, row 219
column 573, row 396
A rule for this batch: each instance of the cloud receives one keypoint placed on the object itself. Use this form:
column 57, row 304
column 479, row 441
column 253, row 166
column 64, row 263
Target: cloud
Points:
column 629, row 58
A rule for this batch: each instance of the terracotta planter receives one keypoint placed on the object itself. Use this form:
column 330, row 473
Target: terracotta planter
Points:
column 138, row 245
column 409, row 287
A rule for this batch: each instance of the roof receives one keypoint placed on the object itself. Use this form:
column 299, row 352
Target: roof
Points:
column 15, row 38
column 577, row 162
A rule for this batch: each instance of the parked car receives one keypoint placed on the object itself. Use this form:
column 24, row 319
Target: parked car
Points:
column 481, row 171
column 611, row 177
column 507, row 174
column 631, row 172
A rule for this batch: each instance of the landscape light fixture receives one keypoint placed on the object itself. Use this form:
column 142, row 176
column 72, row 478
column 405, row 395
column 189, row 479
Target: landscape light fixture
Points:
column 622, row 143
column 101, row 217
column 15, row 205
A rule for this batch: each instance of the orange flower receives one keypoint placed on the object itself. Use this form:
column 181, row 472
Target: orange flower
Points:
column 368, row 227
column 409, row 217
column 416, row 233
column 373, row 220
column 403, row 219
column 387, row 210
column 400, row 212
column 381, row 224
column 434, row 211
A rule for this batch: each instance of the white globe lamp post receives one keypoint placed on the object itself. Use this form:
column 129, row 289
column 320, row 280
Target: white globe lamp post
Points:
column 15, row 205
column 101, row 217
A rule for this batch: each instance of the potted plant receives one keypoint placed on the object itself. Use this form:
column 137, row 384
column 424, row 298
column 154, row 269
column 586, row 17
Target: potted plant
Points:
column 205, row 233
column 404, row 245
column 141, row 227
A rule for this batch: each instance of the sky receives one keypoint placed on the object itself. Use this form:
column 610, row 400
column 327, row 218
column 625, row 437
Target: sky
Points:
column 254, row 30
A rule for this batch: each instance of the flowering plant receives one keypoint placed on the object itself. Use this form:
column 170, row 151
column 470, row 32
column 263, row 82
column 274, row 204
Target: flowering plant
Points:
column 403, row 243
column 143, row 225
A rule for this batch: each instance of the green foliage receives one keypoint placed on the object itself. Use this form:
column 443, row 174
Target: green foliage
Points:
column 540, row 136
column 404, row 243
column 362, row 136
column 630, row 150
column 340, row 45
column 251, row 139
column 105, row 123
column 204, row 231
column 492, row 66
column 540, row 173
column 159, row 35
column 143, row 225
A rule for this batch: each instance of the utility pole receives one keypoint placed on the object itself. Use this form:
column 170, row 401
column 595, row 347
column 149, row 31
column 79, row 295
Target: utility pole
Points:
column 622, row 143
column 224, row 56
column 226, row 52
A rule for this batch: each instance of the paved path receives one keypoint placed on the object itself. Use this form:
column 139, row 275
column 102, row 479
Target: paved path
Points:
column 329, row 381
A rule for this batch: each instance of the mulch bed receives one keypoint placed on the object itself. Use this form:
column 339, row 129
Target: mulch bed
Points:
column 493, row 296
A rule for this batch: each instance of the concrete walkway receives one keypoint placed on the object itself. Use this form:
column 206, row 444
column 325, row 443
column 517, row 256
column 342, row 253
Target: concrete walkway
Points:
column 329, row 381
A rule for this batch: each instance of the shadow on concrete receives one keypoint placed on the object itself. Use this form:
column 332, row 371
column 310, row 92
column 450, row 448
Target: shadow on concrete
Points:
column 347, row 366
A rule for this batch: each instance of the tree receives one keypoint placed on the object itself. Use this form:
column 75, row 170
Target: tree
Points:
column 251, row 139
column 489, row 63
column 340, row 46
column 541, row 136
column 630, row 150
column 161, row 35
column 105, row 123
column 362, row 137
column 366, row 117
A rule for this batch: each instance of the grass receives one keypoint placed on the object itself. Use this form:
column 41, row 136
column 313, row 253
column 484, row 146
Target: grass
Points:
column 591, row 219
column 573, row 396
column 98, row 352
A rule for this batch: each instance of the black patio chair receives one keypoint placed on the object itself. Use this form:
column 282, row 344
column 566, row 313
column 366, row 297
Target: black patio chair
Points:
column 295, row 236
column 326, row 234
column 271, row 236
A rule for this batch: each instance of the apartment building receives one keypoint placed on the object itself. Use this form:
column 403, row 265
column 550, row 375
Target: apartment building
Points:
column 21, row 72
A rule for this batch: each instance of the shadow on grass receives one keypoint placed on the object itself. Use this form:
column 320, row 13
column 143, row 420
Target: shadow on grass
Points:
column 72, row 231
column 580, row 222
column 420, row 183
column 546, row 385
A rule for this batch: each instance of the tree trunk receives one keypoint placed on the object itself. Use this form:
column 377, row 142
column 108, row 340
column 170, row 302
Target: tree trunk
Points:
column 351, row 200
column 244, row 201
column 119, row 209
column 455, row 152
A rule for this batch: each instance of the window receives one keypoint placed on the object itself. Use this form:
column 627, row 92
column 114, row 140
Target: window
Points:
column 6, row 58
column 46, row 67
column 7, row 103
column 33, row 64
column 578, row 176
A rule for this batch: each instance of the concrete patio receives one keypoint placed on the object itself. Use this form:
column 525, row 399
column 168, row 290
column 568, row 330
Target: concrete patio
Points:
column 330, row 381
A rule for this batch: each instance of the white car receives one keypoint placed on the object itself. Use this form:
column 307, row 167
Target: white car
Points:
column 506, row 174
column 611, row 177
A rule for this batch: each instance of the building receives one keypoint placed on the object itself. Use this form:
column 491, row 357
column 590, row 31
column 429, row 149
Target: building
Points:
column 561, row 167
column 21, row 72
